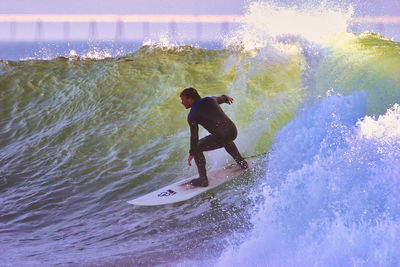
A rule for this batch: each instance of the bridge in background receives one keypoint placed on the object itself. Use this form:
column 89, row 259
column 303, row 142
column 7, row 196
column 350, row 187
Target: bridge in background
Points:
column 224, row 22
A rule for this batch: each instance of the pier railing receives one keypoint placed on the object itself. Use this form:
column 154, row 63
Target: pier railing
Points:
column 224, row 22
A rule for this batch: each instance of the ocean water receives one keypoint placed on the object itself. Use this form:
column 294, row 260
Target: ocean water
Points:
column 86, row 127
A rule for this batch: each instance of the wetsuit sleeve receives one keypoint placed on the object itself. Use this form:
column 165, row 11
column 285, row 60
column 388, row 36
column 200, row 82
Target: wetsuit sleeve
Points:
column 194, row 135
column 222, row 99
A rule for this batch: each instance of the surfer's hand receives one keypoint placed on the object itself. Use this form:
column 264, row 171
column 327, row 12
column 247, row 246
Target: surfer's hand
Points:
column 229, row 100
column 190, row 159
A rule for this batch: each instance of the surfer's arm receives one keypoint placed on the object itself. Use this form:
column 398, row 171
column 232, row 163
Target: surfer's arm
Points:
column 194, row 135
column 224, row 99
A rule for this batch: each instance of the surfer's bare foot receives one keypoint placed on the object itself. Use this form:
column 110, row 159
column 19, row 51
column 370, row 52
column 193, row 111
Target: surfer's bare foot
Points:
column 199, row 182
column 243, row 164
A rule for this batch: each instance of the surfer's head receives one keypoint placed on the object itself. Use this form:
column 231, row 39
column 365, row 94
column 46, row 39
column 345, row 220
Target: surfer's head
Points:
column 189, row 96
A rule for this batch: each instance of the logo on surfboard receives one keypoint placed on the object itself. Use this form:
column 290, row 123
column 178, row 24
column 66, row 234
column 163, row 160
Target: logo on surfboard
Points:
column 167, row 193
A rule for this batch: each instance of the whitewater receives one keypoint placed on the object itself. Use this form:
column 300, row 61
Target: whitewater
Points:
column 82, row 134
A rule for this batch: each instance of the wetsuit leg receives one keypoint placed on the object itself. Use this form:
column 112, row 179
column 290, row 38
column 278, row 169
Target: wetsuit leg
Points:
column 231, row 148
column 208, row 143
column 212, row 142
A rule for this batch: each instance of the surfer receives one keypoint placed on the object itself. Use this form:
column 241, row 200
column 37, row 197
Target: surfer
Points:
column 208, row 113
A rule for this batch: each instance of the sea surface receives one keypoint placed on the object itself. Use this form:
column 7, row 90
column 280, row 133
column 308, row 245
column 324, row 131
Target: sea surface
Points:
column 86, row 127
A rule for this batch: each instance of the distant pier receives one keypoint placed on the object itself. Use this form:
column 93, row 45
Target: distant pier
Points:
column 141, row 26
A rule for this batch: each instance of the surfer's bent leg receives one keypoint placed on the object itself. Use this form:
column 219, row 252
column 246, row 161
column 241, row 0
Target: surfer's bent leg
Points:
column 231, row 148
column 201, row 167
column 210, row 142
column 201, row 164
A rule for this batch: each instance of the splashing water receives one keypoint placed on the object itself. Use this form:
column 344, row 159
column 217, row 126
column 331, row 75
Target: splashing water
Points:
column 264, row 22
column 331, row 192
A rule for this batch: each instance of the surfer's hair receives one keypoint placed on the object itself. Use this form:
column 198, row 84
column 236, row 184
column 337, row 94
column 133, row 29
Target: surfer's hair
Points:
column 190, row 93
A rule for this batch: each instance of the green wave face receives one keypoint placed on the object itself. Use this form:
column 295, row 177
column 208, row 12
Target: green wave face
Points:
column 130, row 107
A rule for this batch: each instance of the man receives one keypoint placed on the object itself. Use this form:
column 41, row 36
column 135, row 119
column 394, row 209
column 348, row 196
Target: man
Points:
column 207, row 112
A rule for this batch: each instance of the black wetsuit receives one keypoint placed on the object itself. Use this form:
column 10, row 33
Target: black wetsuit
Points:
column 208, row 113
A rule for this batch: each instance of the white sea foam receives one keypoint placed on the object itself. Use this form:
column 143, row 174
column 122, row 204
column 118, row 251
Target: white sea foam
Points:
column 165, row 41
column 331, row 191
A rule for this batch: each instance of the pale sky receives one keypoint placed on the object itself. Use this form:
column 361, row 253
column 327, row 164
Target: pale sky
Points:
column 362, row 7
column 123, row 6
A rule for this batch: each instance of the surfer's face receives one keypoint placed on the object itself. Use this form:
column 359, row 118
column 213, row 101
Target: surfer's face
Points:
column 187, row 102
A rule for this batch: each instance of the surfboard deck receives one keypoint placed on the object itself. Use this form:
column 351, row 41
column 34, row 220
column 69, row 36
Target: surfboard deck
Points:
column 183, row 190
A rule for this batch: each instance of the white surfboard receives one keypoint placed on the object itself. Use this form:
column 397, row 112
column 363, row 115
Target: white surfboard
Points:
column 183, row 190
